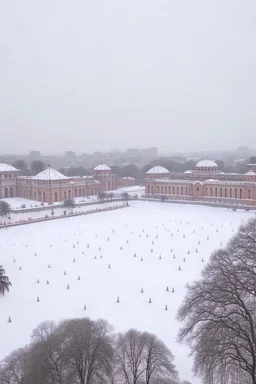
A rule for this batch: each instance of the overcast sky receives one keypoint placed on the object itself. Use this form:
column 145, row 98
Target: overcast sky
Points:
column 89, row 75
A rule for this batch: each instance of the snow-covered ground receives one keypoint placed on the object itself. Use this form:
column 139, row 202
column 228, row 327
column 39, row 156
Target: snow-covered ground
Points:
column 86, row 246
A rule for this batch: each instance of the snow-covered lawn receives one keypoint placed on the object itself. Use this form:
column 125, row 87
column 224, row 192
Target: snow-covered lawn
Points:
column 87, row 246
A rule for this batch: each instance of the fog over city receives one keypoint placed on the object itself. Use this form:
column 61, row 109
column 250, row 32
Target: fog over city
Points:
column 91, row 75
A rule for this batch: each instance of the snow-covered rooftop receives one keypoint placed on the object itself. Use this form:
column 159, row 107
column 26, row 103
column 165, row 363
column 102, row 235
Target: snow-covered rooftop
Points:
column 206, row 163
column 157, row 170
column 50, row 174
column 102, row 167
column 188, row 171
column 128, row 178
column 250, row 173
column 7, row 168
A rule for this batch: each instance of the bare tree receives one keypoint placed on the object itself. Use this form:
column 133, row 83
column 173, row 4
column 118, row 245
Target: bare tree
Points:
column 219, row 313
column 5, row 283
column 47, row 358
column 159, row 362
column 143, row 358
column 13, row 368
column 88, row 347
column 102, row 197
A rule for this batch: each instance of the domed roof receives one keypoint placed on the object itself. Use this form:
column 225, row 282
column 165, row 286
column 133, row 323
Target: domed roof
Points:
column 157, row 170
column 206, row 163
column 7, row 168
column 50, row 174
column 102, row 167
column 250, row 173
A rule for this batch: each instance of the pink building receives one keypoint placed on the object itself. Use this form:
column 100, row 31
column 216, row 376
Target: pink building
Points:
column 205, row 183
column 51, row 186
column 126, row 181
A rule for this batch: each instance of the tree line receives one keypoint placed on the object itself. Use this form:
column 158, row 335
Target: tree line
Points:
column 133, row 170
column 83, row 351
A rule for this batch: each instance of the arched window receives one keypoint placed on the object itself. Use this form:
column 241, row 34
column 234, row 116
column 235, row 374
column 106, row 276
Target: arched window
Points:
column 165, row 190
column 80, row 192
column 241, row 194
column 69, row 194
column 34, row 195
column 177, row 190
column 56, row 196
column 230, row 193
column 211, row 191
column 181, row 191
column 44, row 197
column 148, row 189
column 162, row 189
column 152, row 190
column 6, row 192
column 235, row 193
column 225, row 192
column 220, row 192
column 186, row 190
column 216, row 192
column 158, row 189
column 169, row 190
column 65, row 195
column 173, row 191
column 249, row 194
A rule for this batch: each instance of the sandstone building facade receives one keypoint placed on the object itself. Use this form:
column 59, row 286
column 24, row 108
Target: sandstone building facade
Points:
column 205, row 183
column 51, row 186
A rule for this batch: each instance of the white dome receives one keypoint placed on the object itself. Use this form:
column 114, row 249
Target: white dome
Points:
column 7, row 168
column 157, row 170
column 49, row 174
column 206, row 163
column 250, row 173
column 102, row 167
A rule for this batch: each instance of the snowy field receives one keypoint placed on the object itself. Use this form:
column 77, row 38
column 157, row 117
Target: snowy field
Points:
column 115, row 254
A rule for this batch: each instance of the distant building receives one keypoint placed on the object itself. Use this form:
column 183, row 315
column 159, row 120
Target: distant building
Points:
column 205, row 183
column 104, row 174
column 126, row 181
column 35, row 155
column 70, row 154
column 51, row 186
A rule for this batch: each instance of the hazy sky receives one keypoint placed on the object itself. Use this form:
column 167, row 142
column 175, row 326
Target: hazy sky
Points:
column 91, row 75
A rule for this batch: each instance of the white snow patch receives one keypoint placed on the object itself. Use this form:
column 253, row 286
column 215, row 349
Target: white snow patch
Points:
column 146, row 226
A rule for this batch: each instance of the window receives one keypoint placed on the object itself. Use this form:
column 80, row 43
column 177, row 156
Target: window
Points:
column 220, row 192
column 235, row 193
column 197, row 189
column 226, row 192
column 5, row 176
column 249, row 194
column 241, row 194
column 211, row 191
column 10, row 176
column 230, row 193
column 216, row 192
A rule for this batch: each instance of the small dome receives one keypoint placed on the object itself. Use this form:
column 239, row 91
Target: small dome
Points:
column 206, row 163
column 157, row 170
column 50, row 174
column 102, row 167
column 250, row 173
column 7, row 168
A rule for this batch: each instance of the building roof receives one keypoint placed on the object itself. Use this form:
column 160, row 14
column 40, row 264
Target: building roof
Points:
column 7, row 168
column 128, row 177
column 250, row 173
column 188, row 171
column 50, row 174
column 206, row 163
column 102, row 167
column 157, row 170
